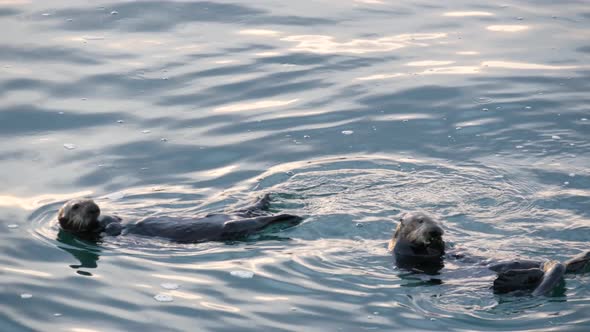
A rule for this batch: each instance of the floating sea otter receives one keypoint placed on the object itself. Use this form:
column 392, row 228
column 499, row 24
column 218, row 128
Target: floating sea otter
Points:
column 83, row 217
column 418, row 245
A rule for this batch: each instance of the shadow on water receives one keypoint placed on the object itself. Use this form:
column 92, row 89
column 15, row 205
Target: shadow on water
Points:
column 87, row 251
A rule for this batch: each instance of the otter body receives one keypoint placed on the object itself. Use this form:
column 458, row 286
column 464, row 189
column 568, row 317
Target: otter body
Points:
column 417, row 245
column 84, row 217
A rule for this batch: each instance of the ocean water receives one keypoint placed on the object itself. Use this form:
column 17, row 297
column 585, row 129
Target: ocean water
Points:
column 348, row 112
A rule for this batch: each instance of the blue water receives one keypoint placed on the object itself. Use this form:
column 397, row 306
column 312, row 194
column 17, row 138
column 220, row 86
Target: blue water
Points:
column 350, row 112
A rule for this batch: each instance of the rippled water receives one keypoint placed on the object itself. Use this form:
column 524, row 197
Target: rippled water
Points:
column 350, row 112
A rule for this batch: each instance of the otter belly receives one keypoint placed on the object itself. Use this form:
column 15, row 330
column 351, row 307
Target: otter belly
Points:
column 216, row 227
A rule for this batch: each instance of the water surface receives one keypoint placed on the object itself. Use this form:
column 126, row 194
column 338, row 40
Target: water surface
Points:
column 350, row 112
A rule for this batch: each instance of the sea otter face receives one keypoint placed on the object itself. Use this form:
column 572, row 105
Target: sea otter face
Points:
column 79, row 215
column 421, row 232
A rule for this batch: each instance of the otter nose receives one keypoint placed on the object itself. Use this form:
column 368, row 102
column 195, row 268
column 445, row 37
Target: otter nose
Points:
column 93, row 209
column 435, row 232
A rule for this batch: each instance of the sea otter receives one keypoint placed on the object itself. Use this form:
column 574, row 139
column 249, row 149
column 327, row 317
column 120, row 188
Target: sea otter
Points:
column 83, row 217
column 418, row 245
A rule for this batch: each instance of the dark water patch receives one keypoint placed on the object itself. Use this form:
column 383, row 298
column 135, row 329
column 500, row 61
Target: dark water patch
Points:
column 21, row 84
column 262, row 87
column 133, row 85
column 8, row 12
column 247, row 48
column 33, row 53
column 425, row 93
column 26, row 119
column 159, row 15
column 220, row 71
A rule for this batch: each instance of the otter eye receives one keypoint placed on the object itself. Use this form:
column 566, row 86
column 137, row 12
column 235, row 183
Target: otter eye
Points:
column 75, row 206
column 420, row 221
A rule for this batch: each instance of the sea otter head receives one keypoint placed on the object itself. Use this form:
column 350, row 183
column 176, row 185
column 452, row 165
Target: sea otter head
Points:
column 79, row 215
column 418, row 235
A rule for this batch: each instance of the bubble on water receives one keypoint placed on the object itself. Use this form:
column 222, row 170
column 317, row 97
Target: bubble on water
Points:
column 483, row 100
column 376, row 313
column 69, row 146
column 163, row 298
column 147, row 131
column 458, row 128
column 12, row 226
column 555, row 137
column 359, row 225
column 170, row 285
column 498, row 107
column 519, row 146
column 164, row 139
column 26, row 296
column 69, row 20
column 485, row 109
column 347, row 132
column 520, row 18
column 84, row 99
column 120, row 121
column 527, row 107
column 242, row 274
column 584, row 119
column 293, row 309
column 57, row 314
column 114, row 12
column 60, row 113
column 306, row 136
column 115, row 196
column 572, row 174
column 46, row 14
column 566, row 183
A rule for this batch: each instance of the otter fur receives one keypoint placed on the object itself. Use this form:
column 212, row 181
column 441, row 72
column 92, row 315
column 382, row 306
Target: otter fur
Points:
column 418, row 245
column 83, row 217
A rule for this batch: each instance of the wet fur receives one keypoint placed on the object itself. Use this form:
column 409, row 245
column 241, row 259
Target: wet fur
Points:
column 79, row 215
column 83, row 217
column 418, row 230
column 418, row 246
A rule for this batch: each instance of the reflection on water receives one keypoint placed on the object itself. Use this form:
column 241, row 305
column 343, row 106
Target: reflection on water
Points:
column 351, row 112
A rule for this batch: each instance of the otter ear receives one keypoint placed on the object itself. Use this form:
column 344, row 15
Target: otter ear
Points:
column 402, row 217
